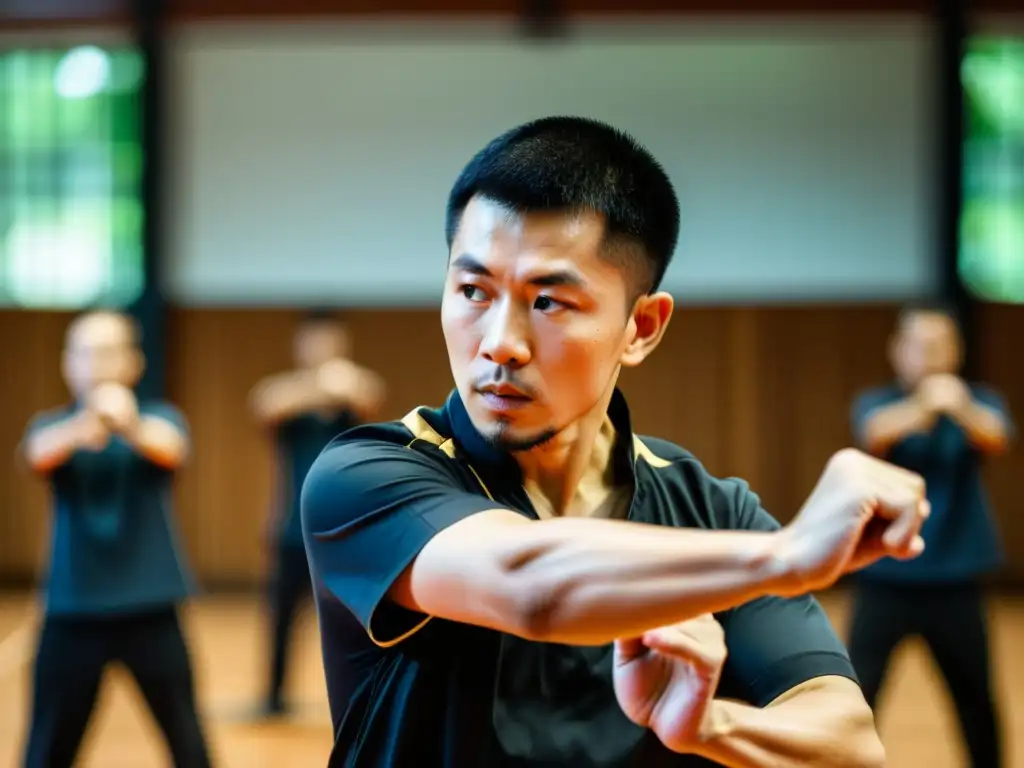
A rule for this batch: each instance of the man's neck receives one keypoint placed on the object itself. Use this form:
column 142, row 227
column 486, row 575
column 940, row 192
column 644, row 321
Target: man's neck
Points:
column 571, row 474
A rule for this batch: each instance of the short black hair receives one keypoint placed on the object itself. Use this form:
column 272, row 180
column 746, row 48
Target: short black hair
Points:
column 576, row 164
column 320, row 316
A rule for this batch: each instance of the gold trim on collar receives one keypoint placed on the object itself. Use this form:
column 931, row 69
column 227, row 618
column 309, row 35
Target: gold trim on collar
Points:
column 421, row 430
column 641, row 451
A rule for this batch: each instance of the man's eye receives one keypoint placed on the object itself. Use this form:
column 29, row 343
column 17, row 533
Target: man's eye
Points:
column 546, row 304
column 472, row 292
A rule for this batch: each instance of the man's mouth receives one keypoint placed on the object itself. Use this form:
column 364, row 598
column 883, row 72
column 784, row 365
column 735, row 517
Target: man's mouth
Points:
column 503, row 397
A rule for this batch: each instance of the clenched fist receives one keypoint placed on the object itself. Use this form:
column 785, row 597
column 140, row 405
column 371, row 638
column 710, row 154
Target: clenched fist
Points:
column 338, row 378
column 861, row 510
column 91, row 434
column 116, row 407
column 943, row 393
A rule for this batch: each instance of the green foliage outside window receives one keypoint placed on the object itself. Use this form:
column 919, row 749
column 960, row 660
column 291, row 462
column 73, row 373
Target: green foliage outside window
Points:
column 992, row 222
column 70, row 168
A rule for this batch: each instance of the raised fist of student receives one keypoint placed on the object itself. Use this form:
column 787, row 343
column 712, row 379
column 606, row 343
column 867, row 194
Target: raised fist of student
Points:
column 862, row 509
column 116, row 407
column 943, row 393
column 90, row 431
column 338, row 378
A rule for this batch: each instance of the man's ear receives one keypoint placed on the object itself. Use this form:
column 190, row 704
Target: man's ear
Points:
column 647, row 324
column 892, row 350
column 137, row 367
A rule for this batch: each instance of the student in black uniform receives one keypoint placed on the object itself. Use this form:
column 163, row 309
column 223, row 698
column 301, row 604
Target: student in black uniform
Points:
column 535, row 581
column 932, row 422
column 117, row 572
column 304, row 409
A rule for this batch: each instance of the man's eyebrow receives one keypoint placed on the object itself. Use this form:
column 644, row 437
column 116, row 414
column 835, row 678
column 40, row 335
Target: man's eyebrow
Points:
column 468, row 263
column 559, row 278
column 562, row 277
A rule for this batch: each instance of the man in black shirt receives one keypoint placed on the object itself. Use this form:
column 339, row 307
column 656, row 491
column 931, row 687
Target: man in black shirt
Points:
column 539, row 586
column 117, row 571
column 324, row 395
column 931, row 421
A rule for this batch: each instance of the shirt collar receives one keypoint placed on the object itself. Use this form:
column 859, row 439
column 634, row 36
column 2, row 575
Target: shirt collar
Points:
column 501, row 467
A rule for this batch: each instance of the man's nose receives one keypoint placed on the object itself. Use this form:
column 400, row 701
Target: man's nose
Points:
column 506, row 339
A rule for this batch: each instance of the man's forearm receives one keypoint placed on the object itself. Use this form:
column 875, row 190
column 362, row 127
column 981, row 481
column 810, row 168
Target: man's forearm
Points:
column 159, row 441
column 889, row 424
column 985, row 427
column 367, row 398
column 287, row 396
column 814, row 728
column 587, row 582
column 50, row 447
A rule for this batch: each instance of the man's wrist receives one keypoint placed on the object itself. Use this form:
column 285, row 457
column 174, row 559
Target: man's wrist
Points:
column 775, row 564
column 79, row 428
column 924, row 410
column 718, row 724
column 129, row 430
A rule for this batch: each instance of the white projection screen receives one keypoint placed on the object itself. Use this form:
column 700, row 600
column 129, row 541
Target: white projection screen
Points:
column 313, row 165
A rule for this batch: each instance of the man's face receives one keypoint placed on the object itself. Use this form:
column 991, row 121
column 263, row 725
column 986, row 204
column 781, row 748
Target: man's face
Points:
column 320, row 341
column 926, row 343
column 535, row 321
column 100, row 349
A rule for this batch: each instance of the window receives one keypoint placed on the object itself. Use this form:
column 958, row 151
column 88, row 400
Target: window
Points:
column 992, row 223
column 70, row 166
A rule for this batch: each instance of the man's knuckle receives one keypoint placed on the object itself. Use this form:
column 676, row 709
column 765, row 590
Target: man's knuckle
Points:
column 846, row 457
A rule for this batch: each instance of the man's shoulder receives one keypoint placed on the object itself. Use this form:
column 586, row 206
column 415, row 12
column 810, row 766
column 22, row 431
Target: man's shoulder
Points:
column 702, row 498
column 50, row 416
column 661, row 453
column 422, row 425
column 673, row 463
column 163, row 409
column 880, row 394
column 417, row 445
column 986, row 393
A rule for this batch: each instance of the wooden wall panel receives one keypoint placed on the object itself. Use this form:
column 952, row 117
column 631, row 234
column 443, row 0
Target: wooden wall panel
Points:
column 29, row 382
column 760, row 393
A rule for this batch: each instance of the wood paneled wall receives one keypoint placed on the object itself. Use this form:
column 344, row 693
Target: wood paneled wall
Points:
column 762, row 393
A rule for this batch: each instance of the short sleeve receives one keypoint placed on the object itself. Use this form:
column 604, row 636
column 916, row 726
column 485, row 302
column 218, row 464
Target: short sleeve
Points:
column 39, row 421
column 368, row 508
column 45, row 419
column 990, row 398
column 168, row 413
column 775, row 643
column 863, row 405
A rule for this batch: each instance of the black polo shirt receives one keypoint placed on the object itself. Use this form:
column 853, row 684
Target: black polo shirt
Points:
column 299, row 440
column 431, row 693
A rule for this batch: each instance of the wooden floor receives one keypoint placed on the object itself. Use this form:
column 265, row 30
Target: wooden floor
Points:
column 228, row 641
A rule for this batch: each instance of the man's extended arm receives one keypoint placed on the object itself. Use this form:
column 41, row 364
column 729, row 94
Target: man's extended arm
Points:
column 986, row 425
column 387, row 529
column 48, row 446
column 887, row 425
column 337, row 384
column 823, row 722
column 159, row 440
column 583, row 581
column 283, row 396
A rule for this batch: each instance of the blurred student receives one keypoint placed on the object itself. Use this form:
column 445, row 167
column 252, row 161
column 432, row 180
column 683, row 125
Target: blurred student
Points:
column 932, row 422
column 305, row 408
column 116, row 573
